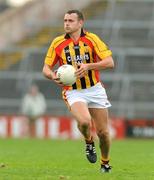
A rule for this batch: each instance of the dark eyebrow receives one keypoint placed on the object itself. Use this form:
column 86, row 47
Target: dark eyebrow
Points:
column 68, row 19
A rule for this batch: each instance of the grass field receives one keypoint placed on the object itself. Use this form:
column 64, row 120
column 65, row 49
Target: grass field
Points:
column 65, row 159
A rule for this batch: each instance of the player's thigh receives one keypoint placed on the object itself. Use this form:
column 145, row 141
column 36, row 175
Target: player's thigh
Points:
column 100, row 118
column 80, row 111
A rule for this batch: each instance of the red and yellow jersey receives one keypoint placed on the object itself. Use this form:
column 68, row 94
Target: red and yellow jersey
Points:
column 88, row 49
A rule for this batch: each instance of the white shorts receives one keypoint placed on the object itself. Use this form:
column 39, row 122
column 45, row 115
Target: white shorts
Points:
column 94, row 97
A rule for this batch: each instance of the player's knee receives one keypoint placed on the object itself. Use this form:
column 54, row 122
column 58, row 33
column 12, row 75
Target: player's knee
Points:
column 103, row 134
column 85, row 124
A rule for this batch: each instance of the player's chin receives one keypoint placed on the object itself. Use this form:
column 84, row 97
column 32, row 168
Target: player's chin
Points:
column 68, row 30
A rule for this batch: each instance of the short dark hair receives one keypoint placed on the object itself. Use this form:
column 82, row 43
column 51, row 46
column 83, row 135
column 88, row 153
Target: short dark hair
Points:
column 79, row 13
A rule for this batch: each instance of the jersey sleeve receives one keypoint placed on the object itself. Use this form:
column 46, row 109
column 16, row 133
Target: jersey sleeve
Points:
column 51, row 56
column 101, row 49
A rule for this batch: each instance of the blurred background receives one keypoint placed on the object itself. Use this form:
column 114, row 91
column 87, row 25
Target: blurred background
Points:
column 27, row 28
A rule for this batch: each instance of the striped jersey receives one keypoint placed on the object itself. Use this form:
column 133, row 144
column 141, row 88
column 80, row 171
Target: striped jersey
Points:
column 88, row 49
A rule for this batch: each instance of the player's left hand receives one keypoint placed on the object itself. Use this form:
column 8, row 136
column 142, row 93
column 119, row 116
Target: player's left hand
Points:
column 82, row 71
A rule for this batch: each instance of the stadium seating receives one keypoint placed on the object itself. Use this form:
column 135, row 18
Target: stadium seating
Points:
column 3, row 6
column 7, row 59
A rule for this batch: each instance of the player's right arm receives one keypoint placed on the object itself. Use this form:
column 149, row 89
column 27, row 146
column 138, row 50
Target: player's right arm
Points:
column 50, row 60
column 49, row 74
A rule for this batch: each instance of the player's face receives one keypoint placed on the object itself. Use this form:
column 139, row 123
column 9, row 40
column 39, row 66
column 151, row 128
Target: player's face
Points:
column 72, row 23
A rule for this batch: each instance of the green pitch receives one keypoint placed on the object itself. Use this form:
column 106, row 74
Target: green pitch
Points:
column 52, row 160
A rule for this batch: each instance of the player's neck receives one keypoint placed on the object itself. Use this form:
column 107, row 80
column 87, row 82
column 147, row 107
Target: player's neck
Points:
column 76, row 35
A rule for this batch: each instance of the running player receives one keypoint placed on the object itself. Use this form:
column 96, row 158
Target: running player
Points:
column 86, row 98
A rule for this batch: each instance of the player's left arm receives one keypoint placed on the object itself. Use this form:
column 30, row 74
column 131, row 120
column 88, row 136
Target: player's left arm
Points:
column 103, row 59
column 99, row 65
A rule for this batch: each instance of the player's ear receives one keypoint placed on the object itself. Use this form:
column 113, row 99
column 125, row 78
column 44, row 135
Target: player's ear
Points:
column 81, row 23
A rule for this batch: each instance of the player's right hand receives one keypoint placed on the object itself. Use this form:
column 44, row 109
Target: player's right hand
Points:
column 56, row 79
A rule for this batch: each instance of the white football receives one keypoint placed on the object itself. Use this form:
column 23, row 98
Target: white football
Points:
column 66, row 73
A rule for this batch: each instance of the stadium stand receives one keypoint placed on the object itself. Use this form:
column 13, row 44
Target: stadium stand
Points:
column 3, row 6
column 8, row 59
column 128, row 32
